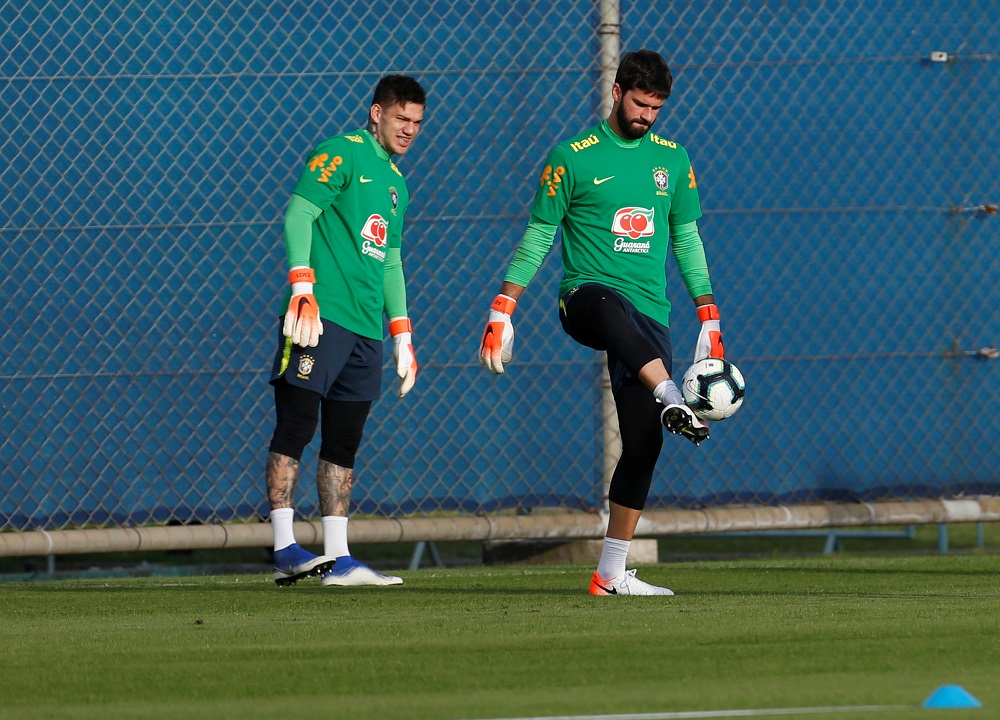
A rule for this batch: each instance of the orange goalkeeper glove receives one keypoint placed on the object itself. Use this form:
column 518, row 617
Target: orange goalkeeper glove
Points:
column 710, row 337
column 302, row 321
column 401, row 331
column 497, row 345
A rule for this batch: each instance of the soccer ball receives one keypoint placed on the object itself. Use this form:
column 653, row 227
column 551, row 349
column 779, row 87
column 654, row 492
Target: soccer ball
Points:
column 713, row 388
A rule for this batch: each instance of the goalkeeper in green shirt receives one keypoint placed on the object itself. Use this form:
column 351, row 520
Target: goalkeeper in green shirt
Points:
column 624, row 196
column 343, row 238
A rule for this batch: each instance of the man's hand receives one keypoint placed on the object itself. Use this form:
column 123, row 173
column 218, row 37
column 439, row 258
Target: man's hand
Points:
column 302, row 321
column 498, row 338
column 710, row 336
column 401, row 331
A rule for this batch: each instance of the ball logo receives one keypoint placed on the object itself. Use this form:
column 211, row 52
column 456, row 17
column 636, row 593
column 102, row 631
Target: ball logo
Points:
column 633, row 223
column 374, row 234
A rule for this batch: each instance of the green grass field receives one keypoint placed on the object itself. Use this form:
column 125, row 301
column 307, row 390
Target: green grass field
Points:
column 510, row 641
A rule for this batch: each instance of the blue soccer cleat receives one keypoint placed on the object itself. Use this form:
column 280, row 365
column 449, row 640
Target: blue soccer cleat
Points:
column 348, row 572
column 294, row 563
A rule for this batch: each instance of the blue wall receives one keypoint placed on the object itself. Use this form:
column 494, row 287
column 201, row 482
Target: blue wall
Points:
column 147, row 157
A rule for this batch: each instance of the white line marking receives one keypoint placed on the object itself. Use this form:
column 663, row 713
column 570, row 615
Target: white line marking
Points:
column 695, row 714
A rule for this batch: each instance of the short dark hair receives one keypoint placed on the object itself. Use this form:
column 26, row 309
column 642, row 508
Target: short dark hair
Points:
column 398, row 89
column 647, row 71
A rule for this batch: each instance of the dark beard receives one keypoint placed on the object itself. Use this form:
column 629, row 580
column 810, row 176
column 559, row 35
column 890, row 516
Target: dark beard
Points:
column 629, row 128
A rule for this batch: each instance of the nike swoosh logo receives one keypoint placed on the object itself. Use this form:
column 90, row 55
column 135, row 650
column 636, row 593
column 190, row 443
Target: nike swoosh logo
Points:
column 365, row 180
column 598, row 181
column 608, row 590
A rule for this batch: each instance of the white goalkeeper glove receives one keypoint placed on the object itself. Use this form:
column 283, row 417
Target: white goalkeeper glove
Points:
column 498, row 338
column 710, row 336
column 302, row 321
column 401, row 331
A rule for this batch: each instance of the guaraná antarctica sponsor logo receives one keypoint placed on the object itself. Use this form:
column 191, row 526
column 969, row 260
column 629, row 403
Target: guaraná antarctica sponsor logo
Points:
column 631, row 224
column 374, row 235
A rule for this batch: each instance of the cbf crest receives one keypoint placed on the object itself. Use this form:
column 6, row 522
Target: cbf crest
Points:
column 394, row 196
column 662, row 179
column 306, row 365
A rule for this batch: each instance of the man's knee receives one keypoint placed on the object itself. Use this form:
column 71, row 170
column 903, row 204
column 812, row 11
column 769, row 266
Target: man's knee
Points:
column 343, row 428
column 297, row 412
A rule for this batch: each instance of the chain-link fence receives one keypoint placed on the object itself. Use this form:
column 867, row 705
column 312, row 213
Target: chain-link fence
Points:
column 149, row 149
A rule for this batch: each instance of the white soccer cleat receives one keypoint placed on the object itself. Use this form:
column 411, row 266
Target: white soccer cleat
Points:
column 294, row 562
column 627, row 584
column 348, row 572
column 681, row 420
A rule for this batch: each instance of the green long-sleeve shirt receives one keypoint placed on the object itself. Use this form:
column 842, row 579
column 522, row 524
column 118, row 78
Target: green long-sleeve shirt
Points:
column 620, row 203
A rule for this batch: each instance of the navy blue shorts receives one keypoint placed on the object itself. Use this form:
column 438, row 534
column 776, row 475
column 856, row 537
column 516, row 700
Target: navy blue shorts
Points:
column 628, row 336
column 344, row 366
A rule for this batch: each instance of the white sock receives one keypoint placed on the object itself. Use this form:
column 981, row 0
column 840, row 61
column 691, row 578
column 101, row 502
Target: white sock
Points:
column 282, row 521
column 335, row 536
column 668, row 394
column 613, row 557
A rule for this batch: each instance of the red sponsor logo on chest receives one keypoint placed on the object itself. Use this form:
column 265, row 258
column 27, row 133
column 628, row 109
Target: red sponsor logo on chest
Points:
column 633, row 222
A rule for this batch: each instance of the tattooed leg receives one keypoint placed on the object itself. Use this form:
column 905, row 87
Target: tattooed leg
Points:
column 281, row 473
column 334, row 484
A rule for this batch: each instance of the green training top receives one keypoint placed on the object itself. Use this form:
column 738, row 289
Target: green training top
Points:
column 617, row 201
column 363, row 197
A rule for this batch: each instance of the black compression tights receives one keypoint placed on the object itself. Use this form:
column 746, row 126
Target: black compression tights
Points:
column 596, row 317
column 298, row 413
column 642, row 440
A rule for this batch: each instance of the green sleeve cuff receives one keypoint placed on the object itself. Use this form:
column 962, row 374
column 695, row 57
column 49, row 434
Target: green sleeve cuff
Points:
column 299, row 219
column 534, row 246
column 689, row 251
column 395, row 284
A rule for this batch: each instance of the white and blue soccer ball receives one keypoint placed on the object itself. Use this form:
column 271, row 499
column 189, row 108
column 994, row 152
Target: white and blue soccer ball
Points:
column 714, row 388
